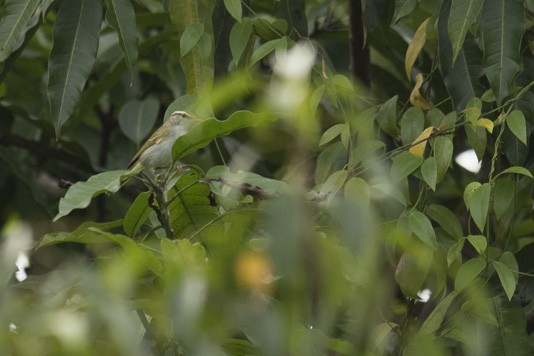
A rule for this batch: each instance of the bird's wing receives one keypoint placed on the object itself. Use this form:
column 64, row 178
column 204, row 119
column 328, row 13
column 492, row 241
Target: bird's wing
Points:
column 154, row 139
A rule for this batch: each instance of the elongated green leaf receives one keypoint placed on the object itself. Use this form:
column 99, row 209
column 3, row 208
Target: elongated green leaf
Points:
column 422, row 228
column 404, row 164
column 137, row 214
column 479, row 205
column 387, row 117
column 203, row 133
column 121, row 16
column 443, row 149
column 137, row 118
column 80, row 194
column 516, row 170
column 510, row 337
column 16, row 21
column 446, row 219
column 267, row 48
column 506, row 277
column 332, row 133
column 435, row 319
column 190, row 37
column 412, row 124
column 403, row 8
column 76, row 35
column 502, row 26
column 463, row 14
column 468, row 272
column 517, row 124
column 234, row 8
column 455, row 251
column 412, row 271
column 239, row 39
column 429, row 172
column 86, row 233
column 504, row 193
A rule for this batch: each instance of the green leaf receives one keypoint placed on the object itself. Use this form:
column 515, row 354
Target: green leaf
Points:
column 443, row 150
column 504, row 192
column 121, row 16
column 80, row 194
column 357, row 189
column 479, row 205
column 435, row 319
column 502, row 25
column 87, row 233
column 446, row 219
column 137, row 118
column 333, row 183
column 387, row 117
column 517, row 124
column 422, row 228
column 234, row 8
column 332, row 133
column 412, row 124
column 76, row 36
column 506, row 277
column 509, row 260
column 203, row 133
column 137, row 214
column 468, row 272
column 429, row 172
column 16, row 20
column 516, row 170
column 403, row 8
column 509, row 338
column 412, row 270
column 473, row 109
column 455, row 251
column 468, row 192
column 267, row 48
column 294, row 12
column 404, row 164
column 190, row 37
column 270, row 186
column 239, row 39
column 463, row 14
column 477, row 137
column 479, row 242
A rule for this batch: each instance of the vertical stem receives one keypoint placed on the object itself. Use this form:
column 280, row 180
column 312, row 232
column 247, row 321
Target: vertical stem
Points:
column 359, row 51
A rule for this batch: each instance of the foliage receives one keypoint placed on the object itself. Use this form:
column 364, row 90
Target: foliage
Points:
column 307, row 213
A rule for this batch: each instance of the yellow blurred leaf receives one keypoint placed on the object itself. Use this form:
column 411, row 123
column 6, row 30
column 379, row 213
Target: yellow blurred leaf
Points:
column 419, row 149
column 254, row 270
column 416, row 99
column 486, row 123
column 415, row 47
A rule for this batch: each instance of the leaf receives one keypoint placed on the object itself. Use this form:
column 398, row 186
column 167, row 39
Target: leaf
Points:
column 86, row 233
column 333, row 183
column 137, row 118
column 506, row 277
column 294, row 12
column 357, row 188
column 446, row 219
column 468, row 272
column 429, row 172
column 479, row 205
column 419, row 148
column 485, row 123
column 137, row 214
column 80, row 194
column 190, row 37
column 435, row 319
column 121, row 16
column 479, row 242
column 267, row 48
column 517, row 124
column 502, row 25
column 412, row 124
column 332, row 133
column 403, row 8
column 76, row 36
column 414, row 48
column 468, row 192
column 239, row 38
column 473, row 109
column 412, row 270
column 16, row 20
column 462, row 15
column 422, row 228
column 203, row 133
column 234, row 8
column 455, row 251
column 416, row 99
column 509, row 338
column 504, row 192
column 387, row 117
column 516, row 170
column 477, row 138
column 404, row 164
column 443, row 150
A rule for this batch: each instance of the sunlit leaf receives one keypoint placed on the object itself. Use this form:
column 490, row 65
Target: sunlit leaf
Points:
column 485, row 123
column 419, row 144
column 416, row 99
column 415, row 47
column 479, row 242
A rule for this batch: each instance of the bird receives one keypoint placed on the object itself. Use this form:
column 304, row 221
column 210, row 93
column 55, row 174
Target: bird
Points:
column 156, row 152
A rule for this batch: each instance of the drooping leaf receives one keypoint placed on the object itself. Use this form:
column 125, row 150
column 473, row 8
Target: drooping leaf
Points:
column 203, row 133
column 76, row 36
column 419, row 144
column 415, row 47
column 412, row 269
column 16, row 20
column 429, row 172
column 479, row 242
column 239, row 39
column 387, row 117
column 510, row 336
column 234, row 8
column 477, row 137
column 121, row 16
column 190, row 37
column 506, row 277
column 403, row 8
column 137, row 118
column 516, row 170
column 446, row 219
column 86, row 233
column 479, row 205
column 404, row 164
column 422, row 228
column 137, row 214
column 435, row 319
column 455, row 251
column 468, row 272
column 517, row 124
column 485, row 123
column 462, row 15
column 416, row 98
column 411, row 125
column 502, row 25
column 331, row 133
column 266, row 48
column 503, row 195
column 80, row 194
column 473, row 109
column 443, row 150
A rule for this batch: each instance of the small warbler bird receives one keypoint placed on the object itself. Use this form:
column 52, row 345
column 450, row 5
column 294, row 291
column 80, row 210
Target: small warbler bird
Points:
column 156, row 152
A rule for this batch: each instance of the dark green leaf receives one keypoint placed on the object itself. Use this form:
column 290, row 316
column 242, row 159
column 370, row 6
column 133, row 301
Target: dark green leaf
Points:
column 121, row 16
column 503, row 195
column 137, row 118
column 137, row 214
column 404, row 164
column 294, row 12
column 239, row 39
column 429, row 172
column 422, row 228
column 412, row 271
column 455, row 251
column 517, row 124
column 446, row 219
column 435, row 319
column 267, row 48
column 479, row 205
column 234, row 8
column 76, row 35
column 477, row 137
column 16, row 20
column 412, row 124
column 190, row 37
column 443, row 149
column 387, row 117
column 510, row 337
column 506, row 277
column 403, row 8
column 86, row 233
column 463, row 14
column 332, row 133
column 468, row 272
column 516, row 170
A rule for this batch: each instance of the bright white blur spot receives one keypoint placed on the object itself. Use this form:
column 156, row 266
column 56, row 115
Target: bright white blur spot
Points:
column 12, row 328
column 22, row 263
column 295, row 63
column 468, row 160
column 424, row 295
